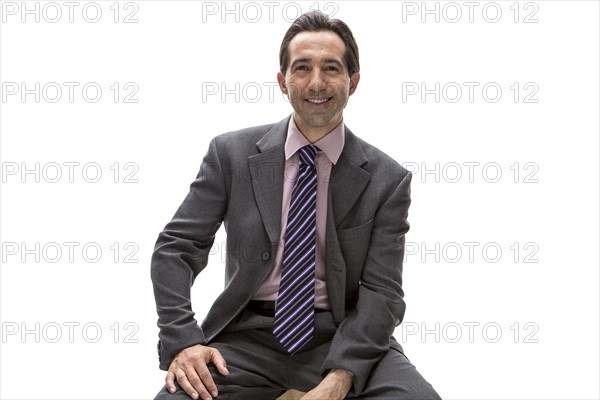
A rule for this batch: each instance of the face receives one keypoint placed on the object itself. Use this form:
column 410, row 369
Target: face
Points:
column 317, row 81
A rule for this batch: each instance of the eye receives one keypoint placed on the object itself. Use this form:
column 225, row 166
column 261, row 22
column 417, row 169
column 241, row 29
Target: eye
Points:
column 301, row 68
column 331, row 68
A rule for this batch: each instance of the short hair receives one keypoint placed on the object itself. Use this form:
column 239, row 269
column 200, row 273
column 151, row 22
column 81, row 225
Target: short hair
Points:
column 316, row 21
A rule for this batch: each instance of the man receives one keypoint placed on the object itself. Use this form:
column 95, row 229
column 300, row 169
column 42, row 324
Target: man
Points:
column 315, row 220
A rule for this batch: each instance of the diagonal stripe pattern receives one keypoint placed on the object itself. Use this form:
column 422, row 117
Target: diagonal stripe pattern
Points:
column 294, row 310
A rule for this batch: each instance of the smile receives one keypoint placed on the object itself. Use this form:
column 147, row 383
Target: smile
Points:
column 318, row 101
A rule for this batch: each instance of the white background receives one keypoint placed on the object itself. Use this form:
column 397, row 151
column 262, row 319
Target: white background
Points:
column 520, row 324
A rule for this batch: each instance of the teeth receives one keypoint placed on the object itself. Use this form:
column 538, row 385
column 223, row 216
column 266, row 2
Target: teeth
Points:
column 318, row 101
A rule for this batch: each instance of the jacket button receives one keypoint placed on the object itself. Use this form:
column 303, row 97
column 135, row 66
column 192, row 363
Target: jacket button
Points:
column 266, row 255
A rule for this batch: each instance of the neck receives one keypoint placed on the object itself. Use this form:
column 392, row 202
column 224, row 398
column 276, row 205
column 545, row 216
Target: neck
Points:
column 313, row 134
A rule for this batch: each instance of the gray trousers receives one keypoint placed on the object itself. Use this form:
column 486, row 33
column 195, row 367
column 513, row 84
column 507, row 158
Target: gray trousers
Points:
column 260, row 368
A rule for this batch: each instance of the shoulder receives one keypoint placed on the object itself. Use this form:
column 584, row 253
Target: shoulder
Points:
column 238, row 145
column 379, row 163
column 242, row 137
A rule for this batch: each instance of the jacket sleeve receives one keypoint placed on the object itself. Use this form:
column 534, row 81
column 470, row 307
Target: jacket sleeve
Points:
column 181, row 253
column 364, row 335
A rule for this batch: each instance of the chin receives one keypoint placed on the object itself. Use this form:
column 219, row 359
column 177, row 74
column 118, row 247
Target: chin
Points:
column 318, row 120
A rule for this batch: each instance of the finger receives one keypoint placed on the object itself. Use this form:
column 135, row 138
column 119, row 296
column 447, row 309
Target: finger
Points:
column 219, row 362
column 207, row 380
column 170, row 381
column 186, row 385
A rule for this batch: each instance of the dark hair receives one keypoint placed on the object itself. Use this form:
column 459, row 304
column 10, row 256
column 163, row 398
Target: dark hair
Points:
column 316, row 21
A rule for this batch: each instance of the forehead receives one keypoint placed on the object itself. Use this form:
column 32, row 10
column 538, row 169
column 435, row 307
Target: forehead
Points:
column 317, row 44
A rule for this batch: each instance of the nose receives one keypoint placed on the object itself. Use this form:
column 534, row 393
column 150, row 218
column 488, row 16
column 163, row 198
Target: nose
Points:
column 317, row 81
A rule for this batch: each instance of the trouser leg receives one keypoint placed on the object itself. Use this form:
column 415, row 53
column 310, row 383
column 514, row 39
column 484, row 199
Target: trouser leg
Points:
column 259, row 367
column 260, row 359
column 395, row 378
column 226, row 393
column 254, row 366
column 253, row 360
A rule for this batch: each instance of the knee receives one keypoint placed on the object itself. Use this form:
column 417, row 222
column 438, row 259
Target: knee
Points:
column 179, row 394
column 396, row 378
column 424, row 392
column 402, row 392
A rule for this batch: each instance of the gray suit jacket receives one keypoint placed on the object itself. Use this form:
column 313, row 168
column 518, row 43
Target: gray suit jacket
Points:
column 240, row 184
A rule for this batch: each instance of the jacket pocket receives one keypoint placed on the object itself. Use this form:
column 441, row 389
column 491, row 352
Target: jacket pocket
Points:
column 361, row 231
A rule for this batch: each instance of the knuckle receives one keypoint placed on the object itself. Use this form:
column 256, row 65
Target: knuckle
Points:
column 186, row 387
column 205, row 375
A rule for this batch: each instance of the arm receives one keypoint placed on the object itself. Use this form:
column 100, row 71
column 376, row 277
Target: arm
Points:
column 181, row 252
column 335, row 385
column 364, row 335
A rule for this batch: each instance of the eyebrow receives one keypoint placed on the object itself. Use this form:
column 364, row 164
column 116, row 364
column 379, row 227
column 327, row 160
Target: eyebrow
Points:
column 323, row 61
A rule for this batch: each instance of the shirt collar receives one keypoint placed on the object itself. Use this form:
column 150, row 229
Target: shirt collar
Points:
column 331, row 144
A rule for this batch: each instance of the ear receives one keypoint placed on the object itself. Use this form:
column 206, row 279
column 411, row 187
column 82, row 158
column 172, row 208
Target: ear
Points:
column 281, row 81
column 354, row 79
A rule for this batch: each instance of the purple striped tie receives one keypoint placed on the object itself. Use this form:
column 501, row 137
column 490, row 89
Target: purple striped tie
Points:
column 294, row 310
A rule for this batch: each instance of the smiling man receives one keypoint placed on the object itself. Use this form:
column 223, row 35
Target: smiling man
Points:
column 318, row 80
column 315, row 226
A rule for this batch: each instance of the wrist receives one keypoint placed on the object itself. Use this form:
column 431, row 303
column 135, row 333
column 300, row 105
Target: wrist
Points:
column 342, row 377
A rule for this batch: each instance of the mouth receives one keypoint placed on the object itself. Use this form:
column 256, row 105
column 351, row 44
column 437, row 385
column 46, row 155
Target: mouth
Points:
column 318, row 100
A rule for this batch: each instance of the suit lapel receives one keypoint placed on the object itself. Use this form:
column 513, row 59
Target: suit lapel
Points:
column 348, row 179
column 346, row 183
column 266, row 169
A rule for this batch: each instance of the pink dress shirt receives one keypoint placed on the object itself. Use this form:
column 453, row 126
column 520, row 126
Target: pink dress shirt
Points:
column 330, row 146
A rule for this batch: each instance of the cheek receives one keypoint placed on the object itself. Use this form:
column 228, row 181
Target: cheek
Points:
column 343, row 87
column 293, row 89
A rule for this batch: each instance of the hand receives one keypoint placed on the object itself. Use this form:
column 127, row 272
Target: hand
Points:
column 335, row 385
column 189, row 368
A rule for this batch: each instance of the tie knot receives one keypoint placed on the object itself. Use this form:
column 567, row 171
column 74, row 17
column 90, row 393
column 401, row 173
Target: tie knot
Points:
column 307, row 154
